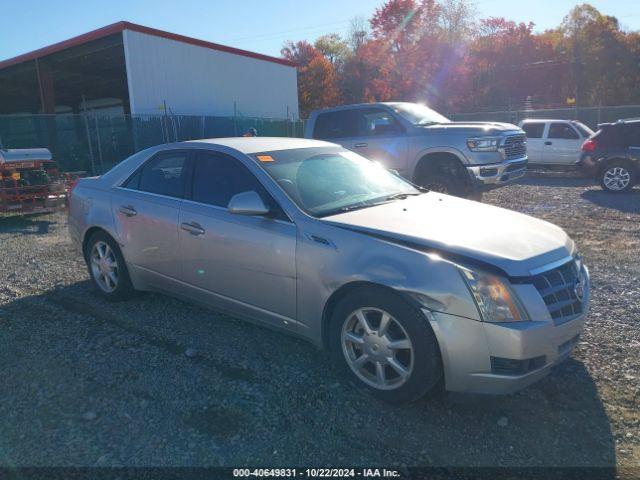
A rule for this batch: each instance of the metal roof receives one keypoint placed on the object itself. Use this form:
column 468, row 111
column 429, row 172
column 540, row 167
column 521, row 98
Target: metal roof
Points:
column 120, row 27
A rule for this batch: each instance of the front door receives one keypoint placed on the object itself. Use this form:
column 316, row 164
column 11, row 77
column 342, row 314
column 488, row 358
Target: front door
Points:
column 247, row 261
column 381, row 138
column 562, row 144
column 146, row 211
column 535, row 142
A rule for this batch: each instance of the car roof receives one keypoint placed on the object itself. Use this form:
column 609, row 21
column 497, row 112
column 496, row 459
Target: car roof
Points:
column 356, row 105
column 541, row 120
column 250, row 145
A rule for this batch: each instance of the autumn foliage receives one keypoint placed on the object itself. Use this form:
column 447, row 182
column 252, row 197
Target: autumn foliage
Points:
column 439, row 53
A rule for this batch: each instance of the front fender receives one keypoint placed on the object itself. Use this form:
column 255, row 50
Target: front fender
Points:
column 352, row 257
column 422, row 152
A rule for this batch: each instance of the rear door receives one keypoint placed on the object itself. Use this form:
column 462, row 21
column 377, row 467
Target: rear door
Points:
column 146, row 209
column 535, row 143
column 382, row 138
column 562, row 144
column 338, row 126
column 247, row 261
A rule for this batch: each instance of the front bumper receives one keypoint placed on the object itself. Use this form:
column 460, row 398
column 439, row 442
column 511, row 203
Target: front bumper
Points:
column 468, row 347
column 499, row 358
column 493, row 175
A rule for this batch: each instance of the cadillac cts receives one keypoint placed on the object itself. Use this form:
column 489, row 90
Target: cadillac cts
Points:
column 405, row 287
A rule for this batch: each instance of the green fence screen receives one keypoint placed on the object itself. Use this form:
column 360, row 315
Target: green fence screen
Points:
column 94, row 143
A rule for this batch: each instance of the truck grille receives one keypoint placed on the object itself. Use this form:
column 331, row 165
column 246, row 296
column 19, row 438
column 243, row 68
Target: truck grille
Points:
column 559, row 288
column 515, row 146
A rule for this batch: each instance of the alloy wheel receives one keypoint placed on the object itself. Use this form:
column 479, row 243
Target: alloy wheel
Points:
column 104, row 266
column 377, row 348
column 617, row 178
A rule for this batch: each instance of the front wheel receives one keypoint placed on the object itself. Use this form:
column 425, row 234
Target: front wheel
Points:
column 617, row 177
column 445, row 183
column 385, row 344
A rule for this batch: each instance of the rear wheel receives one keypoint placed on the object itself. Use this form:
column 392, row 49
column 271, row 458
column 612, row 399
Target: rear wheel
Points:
column 385, row 344
column 107, row 268
column 617, row 177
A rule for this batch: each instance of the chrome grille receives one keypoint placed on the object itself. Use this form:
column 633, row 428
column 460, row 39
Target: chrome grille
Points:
column 515, row 146
column 557, row 288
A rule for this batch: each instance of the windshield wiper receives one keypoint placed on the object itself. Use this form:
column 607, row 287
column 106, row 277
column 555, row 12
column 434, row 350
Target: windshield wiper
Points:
column 351, row 208
column 402, row 196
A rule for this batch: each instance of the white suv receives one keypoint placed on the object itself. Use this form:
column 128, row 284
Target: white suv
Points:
column 554, row 142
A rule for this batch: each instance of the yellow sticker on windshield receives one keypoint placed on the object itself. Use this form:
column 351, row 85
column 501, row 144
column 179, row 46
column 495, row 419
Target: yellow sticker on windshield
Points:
column 265, row 158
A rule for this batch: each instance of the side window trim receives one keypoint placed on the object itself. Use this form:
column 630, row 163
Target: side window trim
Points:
column 188, row 197
column 188, row 160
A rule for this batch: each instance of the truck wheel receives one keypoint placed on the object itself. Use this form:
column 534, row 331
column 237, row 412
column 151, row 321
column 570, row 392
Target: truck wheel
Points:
column 107, row 268
column 617, row 177
column 385, row 345
column 443, row 183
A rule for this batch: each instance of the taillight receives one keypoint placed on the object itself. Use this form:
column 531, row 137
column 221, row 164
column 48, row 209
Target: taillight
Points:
column 589, row 145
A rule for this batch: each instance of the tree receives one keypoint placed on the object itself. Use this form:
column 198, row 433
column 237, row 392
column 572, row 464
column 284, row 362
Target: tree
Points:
column 435, row 51
column 333, row 48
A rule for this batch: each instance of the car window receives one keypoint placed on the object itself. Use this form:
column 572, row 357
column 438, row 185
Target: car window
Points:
column 162, row 175
column 585, row 131
column 339, row 124
column 632, row 134
column 326, row 180
column 217, row 177
column 562, row 131
column 533, row 130
column 376, row 121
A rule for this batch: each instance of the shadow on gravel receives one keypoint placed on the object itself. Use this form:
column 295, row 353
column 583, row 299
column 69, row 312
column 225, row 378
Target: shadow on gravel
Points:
column 29, row 225
column 624, row 202
column 542, row 180
column 155, row 381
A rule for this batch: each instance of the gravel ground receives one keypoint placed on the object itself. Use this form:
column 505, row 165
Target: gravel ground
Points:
column 155, row 381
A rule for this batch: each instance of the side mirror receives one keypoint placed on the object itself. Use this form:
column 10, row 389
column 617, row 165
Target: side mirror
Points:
column 247, row 203
column 385, row 125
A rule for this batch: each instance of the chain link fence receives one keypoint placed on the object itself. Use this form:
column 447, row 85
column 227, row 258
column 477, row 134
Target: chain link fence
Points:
column 95, row 143
column 590, row 116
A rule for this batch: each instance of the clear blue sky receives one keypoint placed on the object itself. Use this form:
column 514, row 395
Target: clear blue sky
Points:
column 257, row 25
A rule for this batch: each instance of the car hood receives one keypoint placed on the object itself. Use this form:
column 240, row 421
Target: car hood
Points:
column 513, row 242
column 471, row 128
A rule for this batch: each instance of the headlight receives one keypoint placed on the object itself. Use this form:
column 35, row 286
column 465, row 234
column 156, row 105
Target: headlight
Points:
column 494, row 297
column 483, row 144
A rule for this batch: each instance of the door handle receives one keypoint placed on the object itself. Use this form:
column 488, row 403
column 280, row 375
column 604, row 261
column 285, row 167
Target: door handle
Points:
column 548, row 143
column 360, row 145
column 128, row 210
column 193, row 228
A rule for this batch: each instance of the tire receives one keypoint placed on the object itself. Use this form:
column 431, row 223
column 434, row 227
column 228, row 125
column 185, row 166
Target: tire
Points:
column 444, row 183
column 617, row 177
column 112, row 288
column 421, row 362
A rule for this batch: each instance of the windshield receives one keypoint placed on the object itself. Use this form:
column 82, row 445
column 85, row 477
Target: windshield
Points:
column 325, row 181
column 585, row 131
column 418, row 114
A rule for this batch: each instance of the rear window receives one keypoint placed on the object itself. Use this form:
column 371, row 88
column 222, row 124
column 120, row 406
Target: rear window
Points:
column 583, row 129
column 340, row 124
column 533, row 129
column 162, row 175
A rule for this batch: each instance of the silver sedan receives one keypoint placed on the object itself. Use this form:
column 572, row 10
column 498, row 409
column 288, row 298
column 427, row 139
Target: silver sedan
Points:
column 404, row 287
